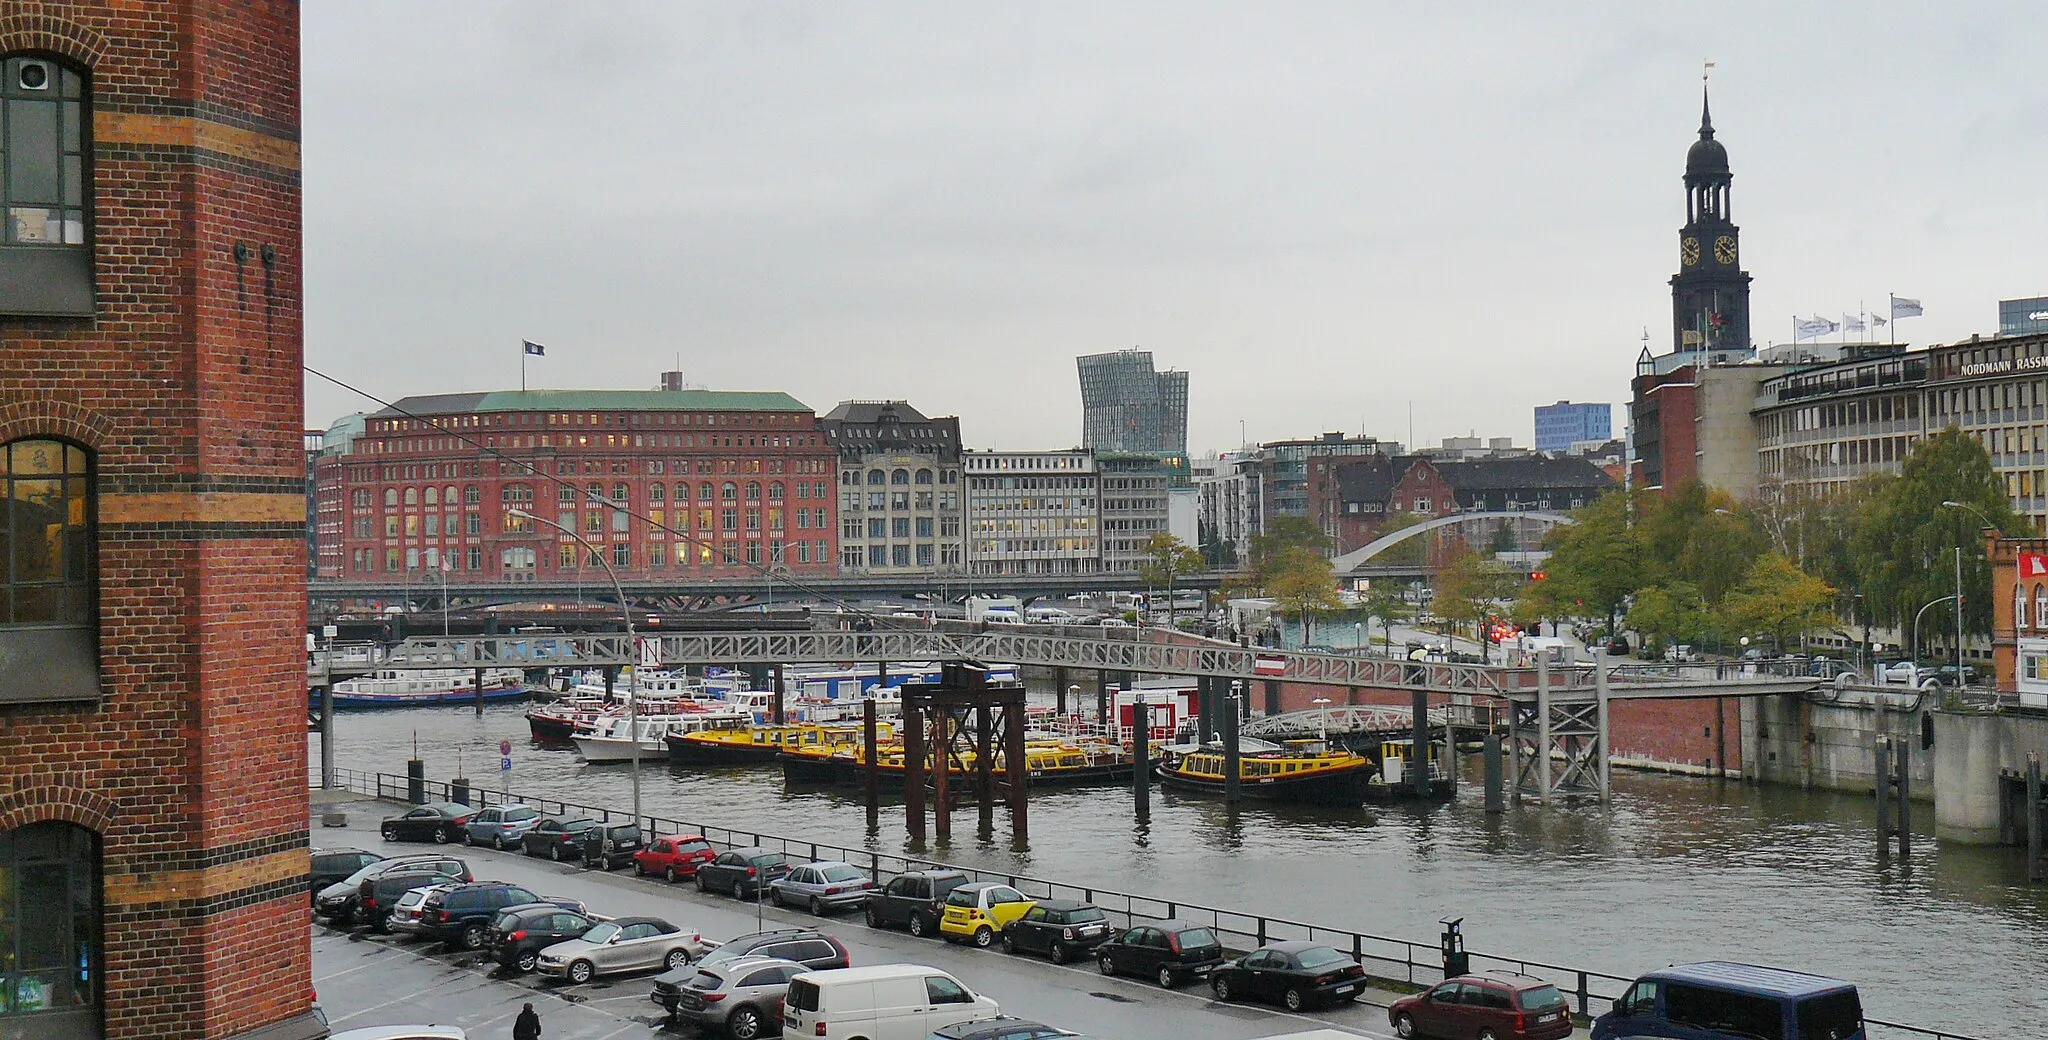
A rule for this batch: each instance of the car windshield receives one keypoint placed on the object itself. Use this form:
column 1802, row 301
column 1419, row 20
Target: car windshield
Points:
column 1319, row 957
column 959, row 897
column 1542, row 998
column 601, row 933
column 1195, row 937
column 1084, row 915
column 841, row 873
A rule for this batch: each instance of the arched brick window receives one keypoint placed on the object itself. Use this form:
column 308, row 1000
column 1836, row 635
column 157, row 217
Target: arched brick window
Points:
column 50, row 949
column 49, row 598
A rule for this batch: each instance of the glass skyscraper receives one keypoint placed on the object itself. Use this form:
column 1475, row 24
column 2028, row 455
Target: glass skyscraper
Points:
column 1126, row 406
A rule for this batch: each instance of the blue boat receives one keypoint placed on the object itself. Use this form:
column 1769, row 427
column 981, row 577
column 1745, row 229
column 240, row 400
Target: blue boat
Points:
column 405, row 689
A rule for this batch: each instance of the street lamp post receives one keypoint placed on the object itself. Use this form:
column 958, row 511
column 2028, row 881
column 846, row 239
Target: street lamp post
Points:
column 1916, row 634
column 626, row 612
column 1322, row 719
column 1959, row 585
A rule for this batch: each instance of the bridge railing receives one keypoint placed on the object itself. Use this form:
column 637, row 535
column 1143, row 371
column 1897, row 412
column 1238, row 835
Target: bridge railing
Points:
column 1391, row 959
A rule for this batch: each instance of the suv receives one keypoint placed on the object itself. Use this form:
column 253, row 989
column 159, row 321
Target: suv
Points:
column 462, row 916
column 914, row 900
column 609, row 846
column 1505, row 1004
column 807, row 946
column 520, row 932
column 332, row 865
column 339, row 902
column 741, row 997
column 378, row 898
column 501, row 826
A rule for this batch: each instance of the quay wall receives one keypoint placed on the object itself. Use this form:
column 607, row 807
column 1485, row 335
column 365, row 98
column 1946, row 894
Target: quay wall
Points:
column 1829, row 740
column 1982, row 756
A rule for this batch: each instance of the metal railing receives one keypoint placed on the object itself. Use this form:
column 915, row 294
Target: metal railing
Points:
column 1399, row 961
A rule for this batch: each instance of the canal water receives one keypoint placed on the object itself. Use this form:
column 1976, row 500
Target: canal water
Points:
column 1676, row 869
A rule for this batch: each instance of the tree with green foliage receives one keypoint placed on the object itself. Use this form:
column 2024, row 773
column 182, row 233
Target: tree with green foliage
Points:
column 1385, row 602
column 1595, row 563
column 1267, row 553
column 1778, row 598
column 1413, row 551
column 1166, row 559
column 1469, row 588
column 1302, row 582
column 1675, row 611
column 1906, row 542
column 1697, row 535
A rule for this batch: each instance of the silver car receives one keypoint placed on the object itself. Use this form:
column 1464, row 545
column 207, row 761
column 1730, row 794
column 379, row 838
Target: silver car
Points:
column 405, row 914
column 741, row 997
column 622, row 944
column 501, row 826
column 828, row 885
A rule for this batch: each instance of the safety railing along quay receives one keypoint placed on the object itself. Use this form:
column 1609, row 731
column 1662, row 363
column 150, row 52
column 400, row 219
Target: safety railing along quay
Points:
column 1387, row 958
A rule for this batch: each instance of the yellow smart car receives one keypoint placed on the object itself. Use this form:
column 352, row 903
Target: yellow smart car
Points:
column 978, row 912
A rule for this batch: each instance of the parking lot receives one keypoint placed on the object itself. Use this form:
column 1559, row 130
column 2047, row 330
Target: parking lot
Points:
column 375, row 980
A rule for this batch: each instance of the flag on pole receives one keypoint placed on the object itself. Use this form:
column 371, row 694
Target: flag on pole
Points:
column 1853, row 323
column 1809, row 328
column 1878, row 321
column 1905, row 308
column 534, row 348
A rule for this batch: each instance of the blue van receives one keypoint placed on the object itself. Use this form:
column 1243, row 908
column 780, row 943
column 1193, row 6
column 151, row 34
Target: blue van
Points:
column 1717, row 1000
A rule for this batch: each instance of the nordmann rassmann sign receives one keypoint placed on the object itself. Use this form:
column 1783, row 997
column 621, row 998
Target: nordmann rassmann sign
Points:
column 1986, row 368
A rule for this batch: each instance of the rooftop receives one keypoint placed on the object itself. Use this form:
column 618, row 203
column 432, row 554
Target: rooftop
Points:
column 595, row 401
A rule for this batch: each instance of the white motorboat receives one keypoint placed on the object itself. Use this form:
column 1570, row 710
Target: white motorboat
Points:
column 620, row 739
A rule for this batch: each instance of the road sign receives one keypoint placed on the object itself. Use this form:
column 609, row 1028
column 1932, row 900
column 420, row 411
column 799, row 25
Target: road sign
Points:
column 505, row 764
column 650, row 653
column 505, row 748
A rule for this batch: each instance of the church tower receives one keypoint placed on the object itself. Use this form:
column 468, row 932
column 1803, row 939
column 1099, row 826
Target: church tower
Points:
column 1710, row 292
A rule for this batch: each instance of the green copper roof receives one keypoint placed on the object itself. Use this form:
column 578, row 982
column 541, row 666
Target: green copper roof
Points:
column 599, row 401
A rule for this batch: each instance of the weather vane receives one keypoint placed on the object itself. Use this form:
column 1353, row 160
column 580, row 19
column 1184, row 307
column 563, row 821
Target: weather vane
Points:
column 1706, row 68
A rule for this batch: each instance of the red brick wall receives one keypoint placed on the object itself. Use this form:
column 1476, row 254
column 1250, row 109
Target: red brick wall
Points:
column 187, row 387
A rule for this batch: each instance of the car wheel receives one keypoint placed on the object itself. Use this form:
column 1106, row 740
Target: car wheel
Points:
column 1009, row 943
column 743, row 1024
column 555, row 852
column 817, row 906
column 676, row 959
column 1404, row 1025
column 669, row 875
column 581, row 972
column 984, row 937
column 1488, row 1034
column 874, row 919
column 775, row 896
column 527, row 960
column 473, row 937
column 498, row 842
column 1058, row 952
column 1105, row 965
column 1220, row 986
column 440, row 835
column 918, row 926
column 1295, row 1000
column 389, row 833
column 703, row 883
column 1167, row 979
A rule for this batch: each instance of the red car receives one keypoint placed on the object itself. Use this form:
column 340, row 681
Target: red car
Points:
column 676, row 856
column 1497, row 1005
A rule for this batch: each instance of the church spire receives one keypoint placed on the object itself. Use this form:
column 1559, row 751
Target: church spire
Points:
column 1706, row 116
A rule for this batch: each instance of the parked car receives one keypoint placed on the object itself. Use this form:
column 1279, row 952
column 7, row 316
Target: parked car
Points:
column 1001, row 1027
column 741, row 997
column 427, row 1032
column 673, row 857
column 501, row 826
column 1504, row 1005
column 807, row 946
column 1058, row 928
column 555, row 837
column 332, row 865
column 830, row 885
column 462, row 916
column 404, row 918
column 621, row 944
column 1716, row 998
column 977, row 912
column 609, row 846
column 1946, row 675
column 378, row 897
column 1169, row 952
column 1683, row 652
column 519, row 933
column 1296, row 974
column 914, row 900
column 339, row 901
column 741, row 872
column 880, row 1002
column 438, row 822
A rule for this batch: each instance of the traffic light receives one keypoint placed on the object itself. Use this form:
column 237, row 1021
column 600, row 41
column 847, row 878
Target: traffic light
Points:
column 1535, row 575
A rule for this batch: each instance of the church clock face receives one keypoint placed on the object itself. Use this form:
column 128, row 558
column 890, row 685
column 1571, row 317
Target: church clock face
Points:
column 1689, row 252
column 1724, row 249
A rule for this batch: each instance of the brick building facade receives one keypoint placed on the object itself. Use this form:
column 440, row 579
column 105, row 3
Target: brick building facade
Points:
column 683, row 483
column 152, row 751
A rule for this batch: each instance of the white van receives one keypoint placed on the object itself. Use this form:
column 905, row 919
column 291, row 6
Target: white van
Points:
column 880, row 1002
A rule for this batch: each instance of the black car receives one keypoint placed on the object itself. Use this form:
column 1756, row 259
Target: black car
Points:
column 332, row 865
column 1170, row 952
column 380, row 895
column 556, row 837
column 807, row 946
column 1296, row 974
column 518, row 934
column 1001, row 1027
column 610, row 845
column 914, row 900
column 339, row 902
column 438, row 822
column 742, row 872
column 1058, row 928
column 462, row 916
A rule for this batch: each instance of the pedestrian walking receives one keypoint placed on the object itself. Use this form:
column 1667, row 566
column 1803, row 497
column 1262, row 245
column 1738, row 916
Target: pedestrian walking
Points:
column 528, row 1025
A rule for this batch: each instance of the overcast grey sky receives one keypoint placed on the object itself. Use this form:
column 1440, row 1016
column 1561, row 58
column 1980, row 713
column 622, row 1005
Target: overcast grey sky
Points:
column 1324, row 211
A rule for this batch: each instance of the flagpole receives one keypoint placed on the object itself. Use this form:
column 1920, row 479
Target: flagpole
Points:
column 522, row 366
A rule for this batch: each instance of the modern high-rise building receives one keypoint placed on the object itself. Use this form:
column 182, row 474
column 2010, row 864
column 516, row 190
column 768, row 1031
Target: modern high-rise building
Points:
column 1126, row 406
column 1560, row 425
column 2023, row 317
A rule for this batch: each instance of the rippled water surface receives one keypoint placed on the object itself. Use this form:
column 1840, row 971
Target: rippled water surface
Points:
column 1676, row 869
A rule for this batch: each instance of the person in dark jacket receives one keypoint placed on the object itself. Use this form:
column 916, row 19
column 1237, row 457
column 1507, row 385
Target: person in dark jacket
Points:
column 528, row 1025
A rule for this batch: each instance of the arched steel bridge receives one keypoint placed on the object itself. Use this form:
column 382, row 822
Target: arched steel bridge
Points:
column 1351, row 561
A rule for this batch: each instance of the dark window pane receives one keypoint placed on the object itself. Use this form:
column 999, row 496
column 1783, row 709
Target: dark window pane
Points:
column 31, row 152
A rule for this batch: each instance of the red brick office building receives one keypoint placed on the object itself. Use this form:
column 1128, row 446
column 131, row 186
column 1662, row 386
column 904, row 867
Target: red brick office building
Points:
column 152, row 567
column 656, row 484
